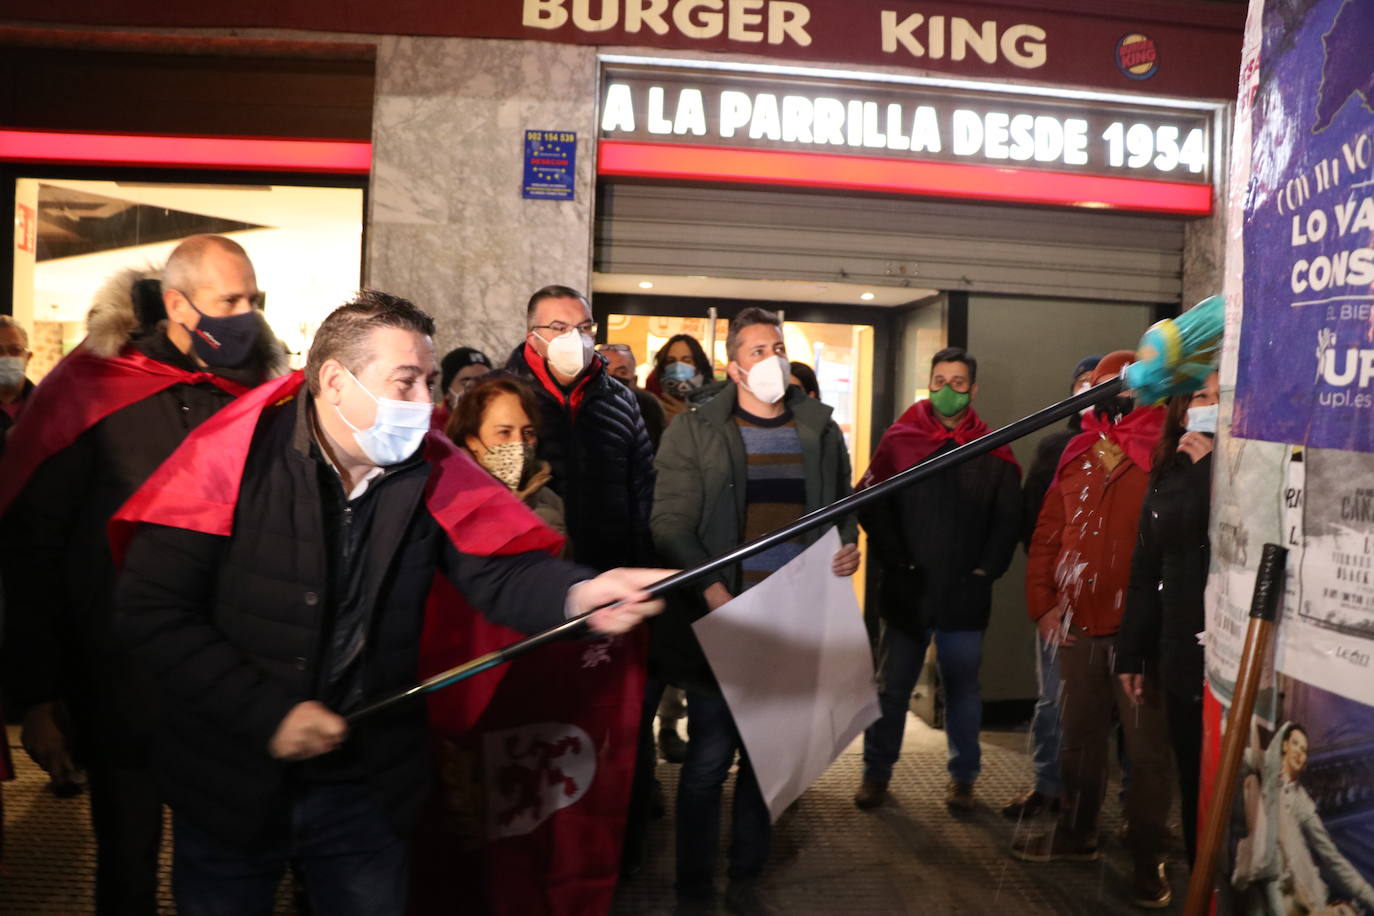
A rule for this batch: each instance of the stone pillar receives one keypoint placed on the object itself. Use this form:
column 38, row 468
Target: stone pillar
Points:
column 447, row 226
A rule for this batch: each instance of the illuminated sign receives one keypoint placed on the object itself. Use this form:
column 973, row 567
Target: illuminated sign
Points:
column 907, row 122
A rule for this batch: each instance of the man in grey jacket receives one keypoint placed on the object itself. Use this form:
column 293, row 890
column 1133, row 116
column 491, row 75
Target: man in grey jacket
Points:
column 744, row 460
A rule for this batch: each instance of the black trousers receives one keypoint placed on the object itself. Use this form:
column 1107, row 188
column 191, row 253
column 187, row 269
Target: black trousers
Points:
column 1185, row 734
column 113, row 746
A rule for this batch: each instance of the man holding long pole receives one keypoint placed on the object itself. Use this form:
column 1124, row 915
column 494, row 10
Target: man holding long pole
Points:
column 279, row 577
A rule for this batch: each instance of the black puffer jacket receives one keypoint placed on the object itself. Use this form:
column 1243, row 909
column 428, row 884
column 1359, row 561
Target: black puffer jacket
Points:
column 1048, row 451
column 235, row 630
column 602, row 462
column 932, row 535
column 1164, row 605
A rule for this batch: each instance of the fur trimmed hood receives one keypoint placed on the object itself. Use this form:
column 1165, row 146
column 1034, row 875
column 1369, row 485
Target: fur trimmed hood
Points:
column 129, row 303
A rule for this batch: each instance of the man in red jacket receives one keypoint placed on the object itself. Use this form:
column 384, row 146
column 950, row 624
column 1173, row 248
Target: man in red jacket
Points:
column 1076, row 580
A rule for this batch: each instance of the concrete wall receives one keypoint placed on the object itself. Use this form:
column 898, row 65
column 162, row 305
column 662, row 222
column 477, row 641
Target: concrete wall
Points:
column 447, row 225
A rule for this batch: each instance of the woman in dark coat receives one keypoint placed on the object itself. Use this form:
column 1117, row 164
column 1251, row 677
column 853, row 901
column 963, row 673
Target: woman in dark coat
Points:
column 1164, row 605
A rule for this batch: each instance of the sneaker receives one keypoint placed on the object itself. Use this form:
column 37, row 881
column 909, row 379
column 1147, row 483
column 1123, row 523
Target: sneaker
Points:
column 1150, row 887
column 1030, row 804
column 671, row 745
column 1047, row 847
column 743, row 897
column 871, row 794
column 959, row 796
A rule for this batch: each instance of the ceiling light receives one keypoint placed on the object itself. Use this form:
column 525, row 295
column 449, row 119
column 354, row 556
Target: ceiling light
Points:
column 867, row 297
column 645, row 284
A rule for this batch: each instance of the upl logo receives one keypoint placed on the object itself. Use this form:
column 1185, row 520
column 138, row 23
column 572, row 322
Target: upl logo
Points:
column 1344, row 369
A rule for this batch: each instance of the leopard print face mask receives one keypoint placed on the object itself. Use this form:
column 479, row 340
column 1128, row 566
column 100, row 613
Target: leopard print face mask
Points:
column 507, row 462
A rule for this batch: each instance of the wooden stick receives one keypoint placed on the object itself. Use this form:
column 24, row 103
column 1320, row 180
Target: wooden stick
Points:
column 1264, row 607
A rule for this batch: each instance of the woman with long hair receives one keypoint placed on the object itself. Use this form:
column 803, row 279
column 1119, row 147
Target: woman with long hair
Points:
column 681, row 366
column 497, row 421
column 1164, row 605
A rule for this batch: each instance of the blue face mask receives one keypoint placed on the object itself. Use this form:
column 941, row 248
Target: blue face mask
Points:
column 679, row 372
column 1203, row 419
column 397, row 431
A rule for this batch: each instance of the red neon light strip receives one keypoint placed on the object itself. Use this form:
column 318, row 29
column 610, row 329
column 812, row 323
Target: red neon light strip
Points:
column 350, row 157
column 638, row 159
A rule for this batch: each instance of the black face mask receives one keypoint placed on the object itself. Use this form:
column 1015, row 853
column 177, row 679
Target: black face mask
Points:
column 224, row 342
column 1114, row 409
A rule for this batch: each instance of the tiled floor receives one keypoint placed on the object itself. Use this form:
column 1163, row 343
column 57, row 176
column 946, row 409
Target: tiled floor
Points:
column 910, row 856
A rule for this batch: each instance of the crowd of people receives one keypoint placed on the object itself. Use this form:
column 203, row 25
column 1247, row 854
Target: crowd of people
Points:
column 196, row 544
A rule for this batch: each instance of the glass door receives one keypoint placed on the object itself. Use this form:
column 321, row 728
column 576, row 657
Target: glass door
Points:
column 73, row 234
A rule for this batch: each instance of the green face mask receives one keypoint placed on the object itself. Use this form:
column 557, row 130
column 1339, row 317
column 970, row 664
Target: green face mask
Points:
column 948, row 401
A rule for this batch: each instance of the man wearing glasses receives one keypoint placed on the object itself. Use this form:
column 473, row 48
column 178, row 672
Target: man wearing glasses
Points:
column 158, row 360
column 15, row 386
column 941, row 544
column 593, row 435
column 620, row 363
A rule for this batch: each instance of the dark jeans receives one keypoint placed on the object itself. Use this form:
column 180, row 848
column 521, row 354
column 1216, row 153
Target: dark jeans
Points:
column 1185, row 733
column 958, row 654
column 350, row 855
column 712, row 744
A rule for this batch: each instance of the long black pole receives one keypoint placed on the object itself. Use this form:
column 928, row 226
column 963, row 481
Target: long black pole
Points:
column 576, row 627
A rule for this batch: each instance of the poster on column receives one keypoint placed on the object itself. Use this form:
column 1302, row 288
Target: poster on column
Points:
column 1306, row 372
column 1306, row 351
column 1302, row 836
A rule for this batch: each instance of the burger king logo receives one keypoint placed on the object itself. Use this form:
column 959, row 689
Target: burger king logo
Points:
column 1137, row 56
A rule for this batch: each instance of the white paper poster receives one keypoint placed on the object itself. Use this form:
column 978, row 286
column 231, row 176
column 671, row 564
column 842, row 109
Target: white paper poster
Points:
column 792, row 657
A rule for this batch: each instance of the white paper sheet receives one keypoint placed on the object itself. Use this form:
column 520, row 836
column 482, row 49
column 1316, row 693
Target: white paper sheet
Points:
column 792, row 657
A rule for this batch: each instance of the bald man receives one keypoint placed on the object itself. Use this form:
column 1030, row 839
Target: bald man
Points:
column 161, row 355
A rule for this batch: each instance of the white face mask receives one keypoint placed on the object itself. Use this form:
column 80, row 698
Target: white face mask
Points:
column 767, row 379
column 570, row 352
column 397, row 431
column 1203, row 419
column 11, row 371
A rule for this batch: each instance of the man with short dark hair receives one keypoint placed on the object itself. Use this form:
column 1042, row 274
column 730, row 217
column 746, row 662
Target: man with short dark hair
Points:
column 1077, row 576
column 744, row 462
column 274, row 581
column 941, row 544
column 159, row 359
column 593, row 435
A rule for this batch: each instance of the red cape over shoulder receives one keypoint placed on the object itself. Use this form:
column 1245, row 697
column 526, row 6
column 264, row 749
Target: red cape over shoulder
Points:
column 917, row 435
column 198, row 486
column 78, row 393
column 1137, row 434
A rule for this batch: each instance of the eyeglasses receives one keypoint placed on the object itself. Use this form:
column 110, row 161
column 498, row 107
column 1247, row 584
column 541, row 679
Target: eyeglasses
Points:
column 14, row 350
column 962, row 386
column 618, row 348
column 560, row 327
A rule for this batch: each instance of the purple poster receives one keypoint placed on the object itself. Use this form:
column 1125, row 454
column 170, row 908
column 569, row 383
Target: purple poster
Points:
column 1306, row 370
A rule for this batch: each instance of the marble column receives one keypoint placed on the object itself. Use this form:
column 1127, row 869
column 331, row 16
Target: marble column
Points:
column 448, row 227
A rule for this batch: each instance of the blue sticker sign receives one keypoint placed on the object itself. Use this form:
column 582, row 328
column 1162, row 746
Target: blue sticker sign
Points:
column 550, row 164
column 1306, row 369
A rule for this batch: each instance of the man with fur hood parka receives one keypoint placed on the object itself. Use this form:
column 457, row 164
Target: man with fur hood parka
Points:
column 155, row 364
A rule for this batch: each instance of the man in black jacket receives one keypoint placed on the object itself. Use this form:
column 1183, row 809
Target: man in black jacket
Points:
column 592, row 434
column 265, row 621
column 144, row 377
column 1043, row 795
column 941, row 543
